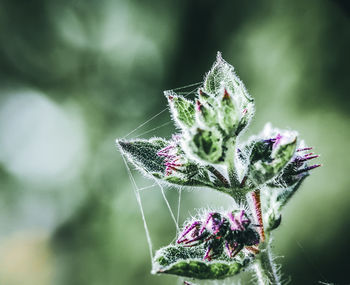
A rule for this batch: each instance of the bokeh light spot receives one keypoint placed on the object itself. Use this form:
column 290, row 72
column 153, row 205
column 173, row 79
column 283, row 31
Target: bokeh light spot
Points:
column 40, row 140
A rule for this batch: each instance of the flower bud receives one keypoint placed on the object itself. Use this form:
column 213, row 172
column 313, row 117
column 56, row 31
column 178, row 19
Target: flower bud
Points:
column 191, row 234
column 298, row 169
column 270, row 155
column 215, row 223
column 227, row 113
column 205, row 97
column 205, row 114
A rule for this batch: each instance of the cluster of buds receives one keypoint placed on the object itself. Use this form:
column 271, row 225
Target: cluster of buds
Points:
column 221, row 110
column 230, row 232
column 275, row 158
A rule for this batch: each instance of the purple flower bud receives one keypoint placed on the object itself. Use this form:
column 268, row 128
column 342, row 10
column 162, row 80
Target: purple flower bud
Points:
column 191, row 234
column 171, row 158
column 277, row 140
column 239, row 220
column 213, row 223
column 297, row 169
column 232, row 248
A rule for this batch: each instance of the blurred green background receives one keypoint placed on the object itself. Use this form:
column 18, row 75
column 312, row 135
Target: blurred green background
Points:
column 75, row 75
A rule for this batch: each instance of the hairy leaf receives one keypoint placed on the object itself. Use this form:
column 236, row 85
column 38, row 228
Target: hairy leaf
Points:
column 297, row 170
column 277, row 199
column 188, row 262
column 288, row 182
column 183, row 110
column 222, row 78
column 144, row 154
column 267, row 162
column 221, row 75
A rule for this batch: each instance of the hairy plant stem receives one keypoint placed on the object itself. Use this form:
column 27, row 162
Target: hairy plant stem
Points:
column 265, row 268
column 231, row 164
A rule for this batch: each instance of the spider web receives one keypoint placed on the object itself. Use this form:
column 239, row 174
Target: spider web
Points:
column 137, row 190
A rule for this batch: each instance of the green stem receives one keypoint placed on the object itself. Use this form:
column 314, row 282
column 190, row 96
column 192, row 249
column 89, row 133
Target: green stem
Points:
column 230, row 162
column 232, row 173
column 265, row 268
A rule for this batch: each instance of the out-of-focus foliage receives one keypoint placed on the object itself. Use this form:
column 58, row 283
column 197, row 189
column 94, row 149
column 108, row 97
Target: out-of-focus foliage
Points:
column 74, row 75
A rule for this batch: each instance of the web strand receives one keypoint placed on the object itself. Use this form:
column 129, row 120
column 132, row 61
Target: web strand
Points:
column 138, row 198
column 144, row 123
column 178, row 208
column 168, row 205
column 146, row 187
column 154, row 129
column 190, row 85
column 162, row 111
column 137, row 190
column 311, row 262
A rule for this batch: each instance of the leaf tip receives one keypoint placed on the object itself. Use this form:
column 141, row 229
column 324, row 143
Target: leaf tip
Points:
column 219, row 56
column 120, row 142
column 169, row 94
column 122, row 145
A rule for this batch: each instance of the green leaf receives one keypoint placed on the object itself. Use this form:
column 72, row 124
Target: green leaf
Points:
column 267, row 163
column 221, row 75
column 191, row 174
column 183, row 110
column 188, row 262
column 290, row 179
column 222, row 78
column 296, row 171
column 285, row 194
column 277, row 199
column 204, row 97
column 143, row 154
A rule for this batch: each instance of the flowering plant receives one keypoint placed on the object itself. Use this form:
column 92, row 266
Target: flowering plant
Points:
column 260, row 175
